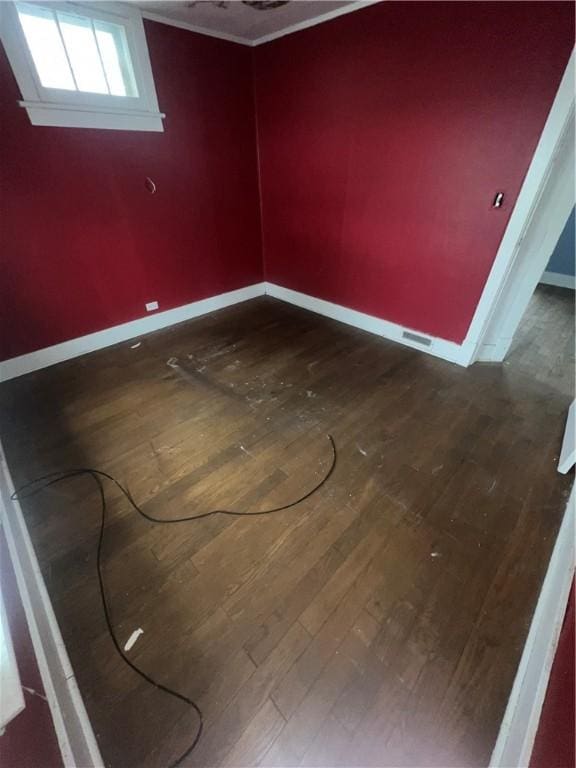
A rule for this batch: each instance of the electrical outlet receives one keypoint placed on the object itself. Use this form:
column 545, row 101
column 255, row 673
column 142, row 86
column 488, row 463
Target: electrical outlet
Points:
column 151, row 306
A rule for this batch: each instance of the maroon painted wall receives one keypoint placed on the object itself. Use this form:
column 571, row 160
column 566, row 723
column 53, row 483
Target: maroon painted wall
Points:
column 383, row 137
column 83, row 244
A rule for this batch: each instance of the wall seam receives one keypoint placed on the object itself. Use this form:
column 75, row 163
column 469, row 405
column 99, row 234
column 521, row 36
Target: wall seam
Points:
column 258, row 166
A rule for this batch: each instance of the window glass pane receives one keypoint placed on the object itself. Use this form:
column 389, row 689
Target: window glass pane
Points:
column 109, row 56
column 116, row 58
column 45, row 44
column 82, row 52
column 78, row 53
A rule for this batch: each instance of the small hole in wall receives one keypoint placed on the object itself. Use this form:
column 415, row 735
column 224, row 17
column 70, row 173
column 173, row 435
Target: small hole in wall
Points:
column 150, row 186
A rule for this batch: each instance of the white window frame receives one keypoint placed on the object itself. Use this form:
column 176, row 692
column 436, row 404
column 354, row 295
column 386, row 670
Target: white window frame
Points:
column 74, row 109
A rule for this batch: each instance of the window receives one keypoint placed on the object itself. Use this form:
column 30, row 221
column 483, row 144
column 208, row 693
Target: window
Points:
column 81, row 66
column 77, row 53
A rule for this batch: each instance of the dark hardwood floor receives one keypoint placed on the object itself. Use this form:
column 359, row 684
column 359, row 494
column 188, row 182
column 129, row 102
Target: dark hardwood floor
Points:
column 543, row 347
column 380, row 622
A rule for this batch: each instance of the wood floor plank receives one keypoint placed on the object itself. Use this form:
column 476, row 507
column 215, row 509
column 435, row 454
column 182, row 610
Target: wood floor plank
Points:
column 269, row 630
column 256, row 738
column 302, row 727
column 228, row 728
column 327, row 600
column 292, row 689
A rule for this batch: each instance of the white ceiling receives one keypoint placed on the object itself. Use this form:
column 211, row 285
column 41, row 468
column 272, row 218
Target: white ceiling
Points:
column 233, row 19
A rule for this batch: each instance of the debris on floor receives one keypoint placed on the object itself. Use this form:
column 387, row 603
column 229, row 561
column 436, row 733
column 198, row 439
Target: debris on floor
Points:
column 132, row 639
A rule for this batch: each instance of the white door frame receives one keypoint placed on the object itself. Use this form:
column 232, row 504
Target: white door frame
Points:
column 512, row 274
column 533, row 251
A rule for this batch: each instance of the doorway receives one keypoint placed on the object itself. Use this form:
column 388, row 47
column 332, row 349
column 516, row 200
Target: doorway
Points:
column 534, row 249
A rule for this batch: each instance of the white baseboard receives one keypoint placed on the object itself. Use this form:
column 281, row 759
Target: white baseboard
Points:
column 42, row 358
column 447, row 350
column 561, row 281
column 520, row 723
column 73, row 730
column 494, row 353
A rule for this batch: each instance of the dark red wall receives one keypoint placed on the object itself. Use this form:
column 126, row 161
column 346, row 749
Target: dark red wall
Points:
column 383, row 138
column 83, row 244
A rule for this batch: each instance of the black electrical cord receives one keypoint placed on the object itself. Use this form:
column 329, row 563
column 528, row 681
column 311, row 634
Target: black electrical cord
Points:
column 40, row 483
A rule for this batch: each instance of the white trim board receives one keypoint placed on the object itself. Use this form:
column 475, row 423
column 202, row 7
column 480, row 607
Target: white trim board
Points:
column 160, row 19
column 568, row 451
column 76, row 740
column 42, row 358
column 328, row 16
column 520, row 723
column 559, row 280
column 82, row 117
column 536, row 177
column 447, row 350
column 11, row 693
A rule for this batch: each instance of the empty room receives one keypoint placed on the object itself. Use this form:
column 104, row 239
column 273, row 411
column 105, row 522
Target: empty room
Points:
column 287, row 384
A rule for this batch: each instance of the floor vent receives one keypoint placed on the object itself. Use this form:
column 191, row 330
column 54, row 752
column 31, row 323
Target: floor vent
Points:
column 418, row 339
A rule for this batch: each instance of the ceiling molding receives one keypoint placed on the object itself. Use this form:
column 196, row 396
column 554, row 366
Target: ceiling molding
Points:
column 193, row 28
column 314, row 21
column 359, row 5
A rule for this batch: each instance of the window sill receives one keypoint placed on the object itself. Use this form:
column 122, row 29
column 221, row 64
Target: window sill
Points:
column 67, row 116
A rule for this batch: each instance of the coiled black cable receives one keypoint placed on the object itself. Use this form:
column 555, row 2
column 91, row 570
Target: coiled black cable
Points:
column 40, row 483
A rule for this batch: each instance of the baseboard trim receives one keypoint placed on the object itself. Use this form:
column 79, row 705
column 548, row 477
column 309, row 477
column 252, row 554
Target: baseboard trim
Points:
column 446, row 350
column 494, row 353
column 559, row 280
column 520, row 723
column 67, row 350
column 42, row 358
column 76, row 739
